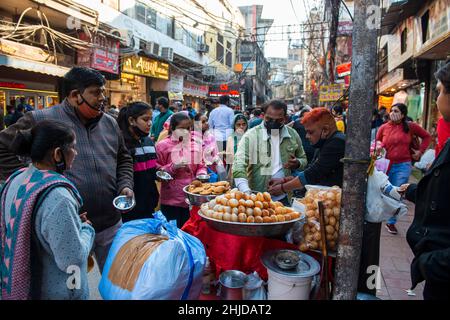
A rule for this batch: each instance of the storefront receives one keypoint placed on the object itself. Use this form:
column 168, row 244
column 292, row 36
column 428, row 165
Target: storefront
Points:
column 230, row 89
column 139, row 77
column 195, row 94
column 432, row 47
column 24, row 74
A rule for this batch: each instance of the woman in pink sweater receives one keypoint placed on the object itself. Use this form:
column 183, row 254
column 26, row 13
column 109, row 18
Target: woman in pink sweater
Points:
column 181, row 156
column 396, row 136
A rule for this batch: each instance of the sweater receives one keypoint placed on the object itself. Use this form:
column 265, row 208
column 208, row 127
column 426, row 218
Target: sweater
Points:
column 100, row 171
column 397, row 142
column 171, row 152
column 443, row 133
column 65, row 241
column 145, row 191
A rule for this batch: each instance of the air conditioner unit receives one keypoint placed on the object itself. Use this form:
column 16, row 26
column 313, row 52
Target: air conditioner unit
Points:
column 201, row 47
column 167, row 53
column 128, row 38
column 152, row 48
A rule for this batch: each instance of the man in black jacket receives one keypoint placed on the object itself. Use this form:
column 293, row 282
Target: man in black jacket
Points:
column 429, row 234
column 325, row 168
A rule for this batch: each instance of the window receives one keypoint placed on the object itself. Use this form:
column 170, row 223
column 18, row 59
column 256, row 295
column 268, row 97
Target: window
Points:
column 404, row 40
column 145, row 14
column 425, row 23
column 229, row 57
column 219, row 49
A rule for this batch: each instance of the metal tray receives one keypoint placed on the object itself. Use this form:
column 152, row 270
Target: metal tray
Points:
column 274, row 229
column 197, row 199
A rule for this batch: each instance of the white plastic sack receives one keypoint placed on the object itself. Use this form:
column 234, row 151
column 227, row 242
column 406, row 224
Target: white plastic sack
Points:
column 173, row 271
column 381, row 207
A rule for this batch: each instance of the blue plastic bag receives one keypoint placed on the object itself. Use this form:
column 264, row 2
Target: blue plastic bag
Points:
column 213, row 177
column 172, row 272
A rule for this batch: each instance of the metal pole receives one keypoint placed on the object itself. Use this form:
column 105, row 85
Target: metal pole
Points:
column 357, row 145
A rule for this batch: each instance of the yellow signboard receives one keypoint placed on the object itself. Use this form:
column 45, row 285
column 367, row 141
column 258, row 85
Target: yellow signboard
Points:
column 143, row 66
column 331, row 93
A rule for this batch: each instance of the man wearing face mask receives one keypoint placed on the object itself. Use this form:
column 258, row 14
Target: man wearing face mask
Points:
column 269, row 150
column 103, row 169
column 325, row 168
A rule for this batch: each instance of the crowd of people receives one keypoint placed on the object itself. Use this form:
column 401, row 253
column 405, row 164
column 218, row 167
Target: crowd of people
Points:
column 63, row 166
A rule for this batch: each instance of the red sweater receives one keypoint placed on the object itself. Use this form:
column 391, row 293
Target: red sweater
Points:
column 397, row 142
column 443, row 133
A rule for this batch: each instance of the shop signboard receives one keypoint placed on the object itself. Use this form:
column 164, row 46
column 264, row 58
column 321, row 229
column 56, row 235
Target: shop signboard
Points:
column 331, row 93
column 13, row 85
column 231, row 89
column 147, row 67
column 176, row 82
column 345, row 28
column 24, row 51
column 344, row 69
column 195, row 89
column 103, row 56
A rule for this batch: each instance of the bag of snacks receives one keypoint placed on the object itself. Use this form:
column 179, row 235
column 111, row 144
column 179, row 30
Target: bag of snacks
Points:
column 331, row 199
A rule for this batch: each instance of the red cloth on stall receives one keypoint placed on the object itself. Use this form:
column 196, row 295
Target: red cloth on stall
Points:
column 231, row 252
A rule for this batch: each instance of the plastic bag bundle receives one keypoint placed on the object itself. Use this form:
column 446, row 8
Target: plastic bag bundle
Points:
column 382, row 201
column 151, row 259
column 331, row 199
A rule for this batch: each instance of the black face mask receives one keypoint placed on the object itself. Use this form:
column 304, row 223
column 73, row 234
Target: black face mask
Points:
column 61, row 165
column 320, row 142
column 139, row 132
column 273, row 125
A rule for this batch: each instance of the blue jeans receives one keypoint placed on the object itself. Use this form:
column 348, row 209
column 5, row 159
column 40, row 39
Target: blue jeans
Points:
column 398, row 175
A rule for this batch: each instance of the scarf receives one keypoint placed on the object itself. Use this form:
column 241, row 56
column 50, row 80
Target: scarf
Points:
column 17, row 236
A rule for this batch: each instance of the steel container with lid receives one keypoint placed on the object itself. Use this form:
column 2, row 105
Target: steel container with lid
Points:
column 290, row 273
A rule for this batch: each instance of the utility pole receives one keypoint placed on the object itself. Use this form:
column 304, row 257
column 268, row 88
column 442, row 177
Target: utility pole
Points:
column 365, row 31
column 335, row 10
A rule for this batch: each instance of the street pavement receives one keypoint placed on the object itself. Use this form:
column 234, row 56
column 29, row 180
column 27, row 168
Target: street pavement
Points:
column 395, row 261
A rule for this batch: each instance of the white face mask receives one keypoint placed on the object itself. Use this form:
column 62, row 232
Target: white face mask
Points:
column 181, row 135
column 396, row 117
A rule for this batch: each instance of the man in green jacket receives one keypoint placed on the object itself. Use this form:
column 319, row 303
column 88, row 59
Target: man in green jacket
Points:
column 163, row 105
column 269, row 150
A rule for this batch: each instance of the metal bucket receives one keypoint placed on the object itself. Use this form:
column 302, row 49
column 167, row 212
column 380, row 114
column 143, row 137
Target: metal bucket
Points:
column 232, row 283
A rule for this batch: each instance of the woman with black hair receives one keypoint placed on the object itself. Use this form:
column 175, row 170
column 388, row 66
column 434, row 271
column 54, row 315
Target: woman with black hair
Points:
column 429, row 234
column 396, row 136
column 181, row 156
column 42, row 234
column 135, row 121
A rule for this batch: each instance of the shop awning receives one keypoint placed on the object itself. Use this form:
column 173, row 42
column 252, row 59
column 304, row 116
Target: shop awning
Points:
column 33, row 66
column 175, row 95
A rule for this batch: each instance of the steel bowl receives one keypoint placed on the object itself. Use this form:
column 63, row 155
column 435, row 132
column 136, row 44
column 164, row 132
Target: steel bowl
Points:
column 124, row 203
column 163, row 176
column 203, row 177
column 273, row 229
column 197, row 199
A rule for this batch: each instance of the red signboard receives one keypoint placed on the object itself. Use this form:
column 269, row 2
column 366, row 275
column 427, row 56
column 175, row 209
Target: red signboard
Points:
column 344, row 69
column 14, row 85
column 231, row 89
column 104, row 56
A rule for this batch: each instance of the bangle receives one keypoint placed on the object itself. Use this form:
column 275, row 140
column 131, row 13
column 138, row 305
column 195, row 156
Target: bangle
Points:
column 282, row 189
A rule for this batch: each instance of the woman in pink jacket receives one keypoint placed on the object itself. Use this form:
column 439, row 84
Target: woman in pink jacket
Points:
column 181, row 156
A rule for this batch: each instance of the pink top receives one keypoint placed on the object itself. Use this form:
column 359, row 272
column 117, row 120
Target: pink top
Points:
column 171, row 152
column 397, row 142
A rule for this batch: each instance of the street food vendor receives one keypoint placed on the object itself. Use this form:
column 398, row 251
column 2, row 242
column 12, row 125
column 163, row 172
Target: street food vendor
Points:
column 326, row 168
column 269, row 150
